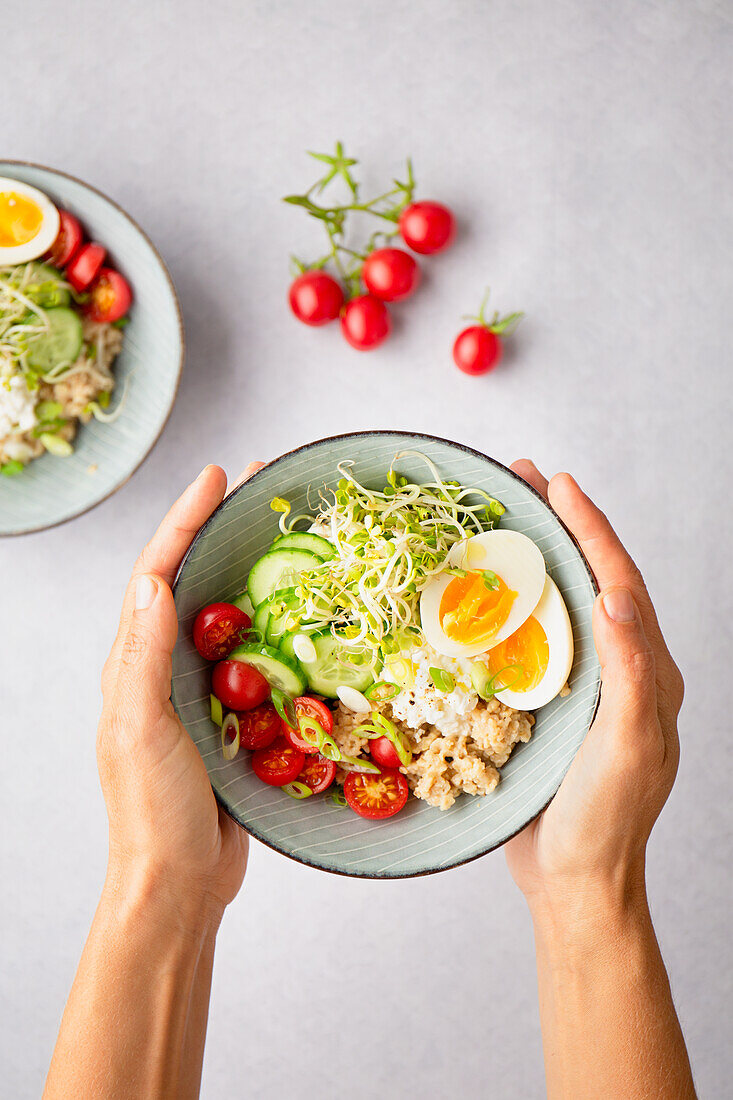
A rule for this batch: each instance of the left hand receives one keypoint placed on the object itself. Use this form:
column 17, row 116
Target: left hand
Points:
column 164, row 821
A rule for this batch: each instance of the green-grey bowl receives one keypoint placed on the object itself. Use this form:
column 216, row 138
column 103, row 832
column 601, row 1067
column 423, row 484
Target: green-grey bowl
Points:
column 52, row 490
column 420, row 839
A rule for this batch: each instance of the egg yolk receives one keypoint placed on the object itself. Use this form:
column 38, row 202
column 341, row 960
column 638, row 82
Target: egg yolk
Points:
column 20, row 219
column 470, row 612
column 520, row 661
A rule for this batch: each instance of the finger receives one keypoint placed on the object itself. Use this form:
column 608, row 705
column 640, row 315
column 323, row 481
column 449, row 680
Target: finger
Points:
column 249, row 469
column 143, row 681
column 527, row 470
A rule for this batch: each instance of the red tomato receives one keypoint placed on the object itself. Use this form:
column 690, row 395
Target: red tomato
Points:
column 67, row 241
column 376, row 796
column 218, row 628
column 85, row 265
column 239, row 686
column 316, row 298
column 314, row 708
column 278, row 764
column 383, row 752
column 259, row 727
column 365, row 322
column 111, row 296
column 390, row 274
column 477, row 350
column 317, row 773
column 427, row 227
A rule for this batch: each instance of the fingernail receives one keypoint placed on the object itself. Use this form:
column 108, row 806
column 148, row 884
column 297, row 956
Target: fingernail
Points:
column 619, row 606
column 145, row 592
column 207, row 467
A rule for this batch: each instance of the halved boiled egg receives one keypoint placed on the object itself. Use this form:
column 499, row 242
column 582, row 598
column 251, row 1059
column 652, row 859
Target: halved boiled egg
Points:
column 29, row 222
column 535, row 661
column 504, row 576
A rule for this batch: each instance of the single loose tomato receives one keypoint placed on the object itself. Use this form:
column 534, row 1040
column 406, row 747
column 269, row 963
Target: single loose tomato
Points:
column 278, row 764
column 365, row 322
column 218, row 629
column 427, row 227
column 258, row 727
column 239, row 686
column 85, row 266
column 110, row 296
column 376, row 796
column 390, row 274
column 316, row 298
column 68, row 240
column 383, row 752
column 306, row 706
column 477, row 350
column 317, row 773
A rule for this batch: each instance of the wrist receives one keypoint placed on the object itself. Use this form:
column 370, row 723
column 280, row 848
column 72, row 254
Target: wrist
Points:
column 135, row 887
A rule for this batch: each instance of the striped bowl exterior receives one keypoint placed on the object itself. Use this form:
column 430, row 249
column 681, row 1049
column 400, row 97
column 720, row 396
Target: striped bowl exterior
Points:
column 421, row 839
column 52, row 490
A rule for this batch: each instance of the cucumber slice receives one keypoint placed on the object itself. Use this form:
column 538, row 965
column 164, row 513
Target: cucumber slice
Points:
column 261, row 618
column 305, row 540
column 244, row 603
column 277, row 569
column 61, row 344
column 280, row 671
column 44, row 287
column 285, row 645
column 326, row 674
column 279, row 624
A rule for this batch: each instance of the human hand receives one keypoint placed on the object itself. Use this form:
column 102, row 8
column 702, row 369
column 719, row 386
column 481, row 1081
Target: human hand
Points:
column 592, row 837
column 164, row 822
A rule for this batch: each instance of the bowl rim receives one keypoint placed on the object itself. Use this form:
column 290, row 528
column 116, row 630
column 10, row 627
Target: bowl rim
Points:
column 181, row 357
column 425, row 436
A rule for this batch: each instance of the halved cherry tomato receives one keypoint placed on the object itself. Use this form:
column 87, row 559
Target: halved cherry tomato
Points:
column 259, row 727
column 239, row 686
column 317, row 773
column 376, row 796
column 85, row 266
column 278, row 764
column 314, row 708
column 110, row 296
column 315, row 298
column 68, row 240
column 390, row 274
column 218, row 629
column 427, row 227
column 383, row 752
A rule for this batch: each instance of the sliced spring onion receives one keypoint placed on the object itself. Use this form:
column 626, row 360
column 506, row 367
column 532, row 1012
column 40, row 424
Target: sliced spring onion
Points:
column 56, row 444
column 285, row 707
column 230, row 748
column 381, row 692
column 312, row 731
column 395, row 735
column 12, row 468
column 353, row 699
column 304, row 649
column 297, row 790
column 49, row 410
column 443, row 681
column 486, row 686
column 358, row 764
column 216, row 710
column 337, row 798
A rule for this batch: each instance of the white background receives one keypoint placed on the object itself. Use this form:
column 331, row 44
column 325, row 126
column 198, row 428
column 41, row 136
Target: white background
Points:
column 586, row 149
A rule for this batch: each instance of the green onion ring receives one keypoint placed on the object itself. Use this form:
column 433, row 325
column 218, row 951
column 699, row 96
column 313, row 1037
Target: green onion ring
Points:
column 442, row 680
column 216, row 711
column 285, row 707
column 297, row 790
column 381, row 692
column 230, row 748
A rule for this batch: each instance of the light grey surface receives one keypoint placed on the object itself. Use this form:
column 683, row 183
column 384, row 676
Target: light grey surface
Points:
column 586, row 148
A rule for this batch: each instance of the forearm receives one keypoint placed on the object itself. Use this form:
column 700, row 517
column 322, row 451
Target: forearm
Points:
column 139, row 999
column 609, row 1025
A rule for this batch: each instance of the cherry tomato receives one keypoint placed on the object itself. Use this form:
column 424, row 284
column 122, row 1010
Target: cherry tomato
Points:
column 314, row 708
column 477, row 350
column 317, row 773
column 218, row 628
column 67, row 241
column 376, row 796
column 258, row 727
column 383, row 752
column 390, row 274
column 427, row 227
column 239, row 686
column 365, row 322
column 111, row 296
column 85, row 266
column 278, row 764
column 315, row 298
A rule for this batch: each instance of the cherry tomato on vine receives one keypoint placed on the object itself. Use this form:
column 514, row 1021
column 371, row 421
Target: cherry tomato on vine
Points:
column 278, row 764
column 68, row 239
column 318, row 773
column 316, row 298
column 376, row 796
column 258, row 727
column 390, row 274
column 427, row 227
column 383, row 752
column 365, row 322
column 110, row 296
column 239, row 686
column 218, row 629
column 477, row 350
column 313, row 708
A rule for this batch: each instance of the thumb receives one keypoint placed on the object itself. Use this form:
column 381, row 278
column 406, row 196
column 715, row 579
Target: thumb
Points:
column 628, row 670
column 145, row 664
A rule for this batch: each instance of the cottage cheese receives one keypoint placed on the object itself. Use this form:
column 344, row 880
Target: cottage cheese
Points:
column 422, row 704
column 17, row 405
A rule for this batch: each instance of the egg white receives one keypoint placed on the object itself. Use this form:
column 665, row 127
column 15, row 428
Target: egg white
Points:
column 509, row 554
column 47, row 231
column 552, row 615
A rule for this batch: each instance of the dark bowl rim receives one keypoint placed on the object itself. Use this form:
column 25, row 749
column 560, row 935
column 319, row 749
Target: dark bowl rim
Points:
column 181, row 333
column 368, row 432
